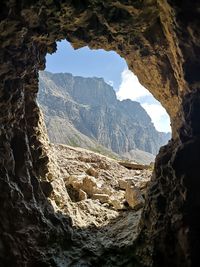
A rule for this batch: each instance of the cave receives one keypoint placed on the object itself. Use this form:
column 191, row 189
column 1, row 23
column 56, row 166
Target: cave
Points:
column 112, row 94
column 160, row 42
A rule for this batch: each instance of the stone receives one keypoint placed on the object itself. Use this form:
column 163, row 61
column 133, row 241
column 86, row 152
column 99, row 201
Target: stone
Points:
column 92, row 172
column 103, row 198
column 117, row 204
column 89, row 185
column 74, row 181
column 104, row 165
column 106, row 190
column 123, row 183
column 82, row 195
column 143, row 185
column 134, row 197
column 133, row 165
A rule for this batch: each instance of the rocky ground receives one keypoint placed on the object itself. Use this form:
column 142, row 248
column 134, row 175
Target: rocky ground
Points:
column 103, row 199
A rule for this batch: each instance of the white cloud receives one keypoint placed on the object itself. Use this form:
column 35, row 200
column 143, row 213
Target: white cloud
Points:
column 130, row 88
column 158, row 116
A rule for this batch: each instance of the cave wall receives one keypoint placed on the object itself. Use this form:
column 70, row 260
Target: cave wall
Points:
column 160, row 42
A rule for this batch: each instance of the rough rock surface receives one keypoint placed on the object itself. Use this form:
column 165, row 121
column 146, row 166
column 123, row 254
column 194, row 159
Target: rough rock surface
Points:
column 160, row 41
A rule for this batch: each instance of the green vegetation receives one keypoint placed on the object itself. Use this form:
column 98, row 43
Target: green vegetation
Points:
column 72, row 142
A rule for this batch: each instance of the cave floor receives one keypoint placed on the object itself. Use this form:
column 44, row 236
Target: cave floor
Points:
column 102, row 221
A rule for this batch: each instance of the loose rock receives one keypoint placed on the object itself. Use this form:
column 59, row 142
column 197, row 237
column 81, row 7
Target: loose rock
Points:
column 123, row 183
column 82, row 195
column 134, row 197
column 89, row 185
column 92, row 172
column 103, row 198
column 117, row 204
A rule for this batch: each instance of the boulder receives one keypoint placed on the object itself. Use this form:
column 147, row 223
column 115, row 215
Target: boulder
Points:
column 134, row 197
column 89, row 185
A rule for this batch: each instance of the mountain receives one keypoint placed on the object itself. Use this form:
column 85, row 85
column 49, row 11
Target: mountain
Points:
column 85, row 112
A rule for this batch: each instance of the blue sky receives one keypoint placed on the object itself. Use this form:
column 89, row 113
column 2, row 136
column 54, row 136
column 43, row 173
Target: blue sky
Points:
column 109, row 65
column 86, row 62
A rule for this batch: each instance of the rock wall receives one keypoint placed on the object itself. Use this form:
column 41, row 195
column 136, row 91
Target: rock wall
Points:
column 160, row 42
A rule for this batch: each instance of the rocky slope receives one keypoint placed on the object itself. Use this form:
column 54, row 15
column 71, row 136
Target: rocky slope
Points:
column 76, row 108
column 103, row 199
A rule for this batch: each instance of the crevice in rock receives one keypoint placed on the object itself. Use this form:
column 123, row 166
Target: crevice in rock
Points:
column 19, row 149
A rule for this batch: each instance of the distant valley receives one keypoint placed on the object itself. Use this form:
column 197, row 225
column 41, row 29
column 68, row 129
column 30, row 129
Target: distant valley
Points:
column 85, row 112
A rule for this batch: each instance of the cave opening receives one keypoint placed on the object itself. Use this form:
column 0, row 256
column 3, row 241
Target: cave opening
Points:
column 105, row 186
column 74, row 73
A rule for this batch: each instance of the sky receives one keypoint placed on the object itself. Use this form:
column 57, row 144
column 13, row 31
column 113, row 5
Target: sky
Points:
column 113, row 68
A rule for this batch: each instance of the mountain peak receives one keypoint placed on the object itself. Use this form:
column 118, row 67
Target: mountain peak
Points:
column 91, row 107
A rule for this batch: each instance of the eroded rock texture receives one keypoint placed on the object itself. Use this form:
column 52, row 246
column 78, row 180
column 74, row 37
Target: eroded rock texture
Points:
column 160, row 41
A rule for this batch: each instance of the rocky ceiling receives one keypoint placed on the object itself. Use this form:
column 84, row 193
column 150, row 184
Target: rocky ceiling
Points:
column 160, row 41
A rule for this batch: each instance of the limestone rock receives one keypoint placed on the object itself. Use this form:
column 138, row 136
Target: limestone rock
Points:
column 82, row 195
column 75, row 182
column 134, row 197
column 92, row 172
column 89, row 185
column 123, row 183
column 106, row 190
column 133, row 165
column 104, row 165
column 143, row 185
column 116, row 203
column 103, row 198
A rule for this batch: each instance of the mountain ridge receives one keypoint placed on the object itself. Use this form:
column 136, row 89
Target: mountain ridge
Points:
column 92, row 108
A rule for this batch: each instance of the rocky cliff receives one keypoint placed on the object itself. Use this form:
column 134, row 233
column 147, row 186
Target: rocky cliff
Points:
column 90, row 106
